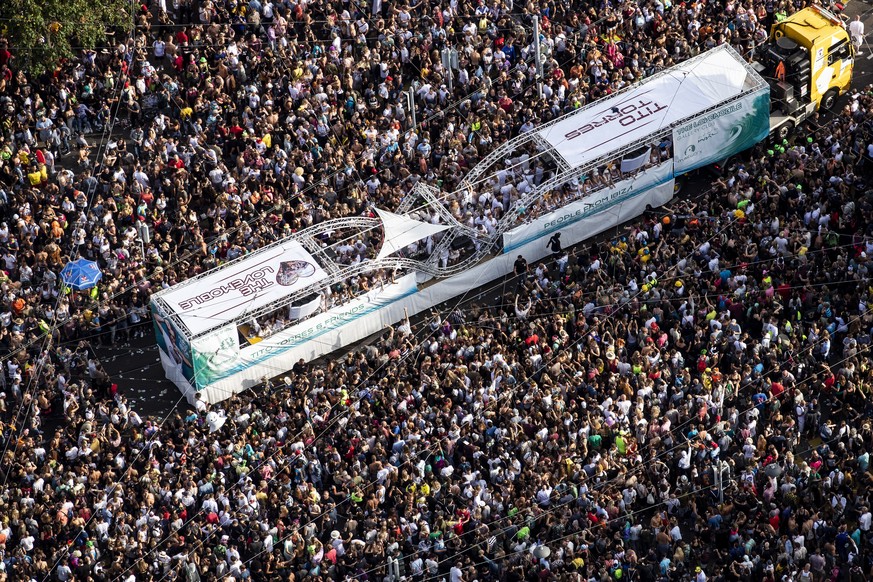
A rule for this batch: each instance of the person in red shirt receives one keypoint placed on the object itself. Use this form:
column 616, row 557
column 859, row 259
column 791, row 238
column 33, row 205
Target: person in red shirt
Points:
column 776, row 389
column 5, row 55
column 176, row 163
column 829, row 379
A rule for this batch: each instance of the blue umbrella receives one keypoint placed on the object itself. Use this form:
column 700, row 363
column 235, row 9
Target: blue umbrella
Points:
column 81, row 274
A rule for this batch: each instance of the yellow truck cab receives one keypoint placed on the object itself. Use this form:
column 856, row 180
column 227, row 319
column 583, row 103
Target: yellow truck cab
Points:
column 808, row 62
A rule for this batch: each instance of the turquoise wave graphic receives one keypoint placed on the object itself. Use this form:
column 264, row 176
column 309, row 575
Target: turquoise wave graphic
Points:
column 745, row 131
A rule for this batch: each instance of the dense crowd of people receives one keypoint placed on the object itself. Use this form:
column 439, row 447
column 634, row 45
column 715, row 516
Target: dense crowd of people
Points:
column 688, row 401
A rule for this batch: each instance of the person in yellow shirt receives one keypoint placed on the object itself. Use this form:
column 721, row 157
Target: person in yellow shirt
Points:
column 34, row 177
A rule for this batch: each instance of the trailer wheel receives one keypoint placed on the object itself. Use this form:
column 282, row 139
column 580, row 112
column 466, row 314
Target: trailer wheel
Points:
column 829, row 99
column 783, row 131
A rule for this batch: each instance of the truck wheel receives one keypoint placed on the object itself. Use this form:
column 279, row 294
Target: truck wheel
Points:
column 783, row 131
column 829, row 99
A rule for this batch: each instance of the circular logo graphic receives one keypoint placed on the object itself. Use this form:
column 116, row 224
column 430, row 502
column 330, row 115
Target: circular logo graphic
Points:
column 291, row 271
column 689, row 151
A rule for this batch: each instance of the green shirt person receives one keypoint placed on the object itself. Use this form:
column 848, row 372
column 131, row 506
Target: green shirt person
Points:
column 595, row 441
column 621, row 444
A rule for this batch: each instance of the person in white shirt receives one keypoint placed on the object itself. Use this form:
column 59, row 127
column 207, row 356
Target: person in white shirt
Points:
column 159, row 47
column 417, row 568
column 865, row 520
column 856, row 32
column 684, row 462
column 64, row 572
column 432, row 566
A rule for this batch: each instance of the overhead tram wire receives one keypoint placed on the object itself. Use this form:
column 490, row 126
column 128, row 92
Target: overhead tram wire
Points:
column 637, row 468
column 554, row 508
column 588, row 529
column 678, row 427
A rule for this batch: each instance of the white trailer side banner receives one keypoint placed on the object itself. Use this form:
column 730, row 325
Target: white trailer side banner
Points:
column 683, row 91
column 586, row 217
column 247, row 284
column 722, row 133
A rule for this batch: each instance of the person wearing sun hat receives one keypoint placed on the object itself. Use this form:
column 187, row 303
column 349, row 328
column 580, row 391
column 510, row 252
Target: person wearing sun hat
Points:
column 337, row 545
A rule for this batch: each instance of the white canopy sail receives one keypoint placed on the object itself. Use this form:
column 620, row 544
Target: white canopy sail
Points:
column 402, row 231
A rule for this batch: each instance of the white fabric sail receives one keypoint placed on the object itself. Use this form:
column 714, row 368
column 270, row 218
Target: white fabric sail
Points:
column 402, row 231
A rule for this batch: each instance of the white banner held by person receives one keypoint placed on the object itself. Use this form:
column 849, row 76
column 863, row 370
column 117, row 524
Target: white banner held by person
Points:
column 632, row 163
column 305, row 310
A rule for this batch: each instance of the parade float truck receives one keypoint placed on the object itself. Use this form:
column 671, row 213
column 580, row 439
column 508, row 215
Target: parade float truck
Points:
column 613, row 159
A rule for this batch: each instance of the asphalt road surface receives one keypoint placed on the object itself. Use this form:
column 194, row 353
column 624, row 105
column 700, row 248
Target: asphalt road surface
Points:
column 136, row 368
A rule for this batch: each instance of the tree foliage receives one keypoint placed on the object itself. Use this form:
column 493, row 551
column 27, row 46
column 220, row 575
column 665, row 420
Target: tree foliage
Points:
column 41, row 32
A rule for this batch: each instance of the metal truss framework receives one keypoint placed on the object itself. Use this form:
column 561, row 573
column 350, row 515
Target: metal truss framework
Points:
column 425, row 198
